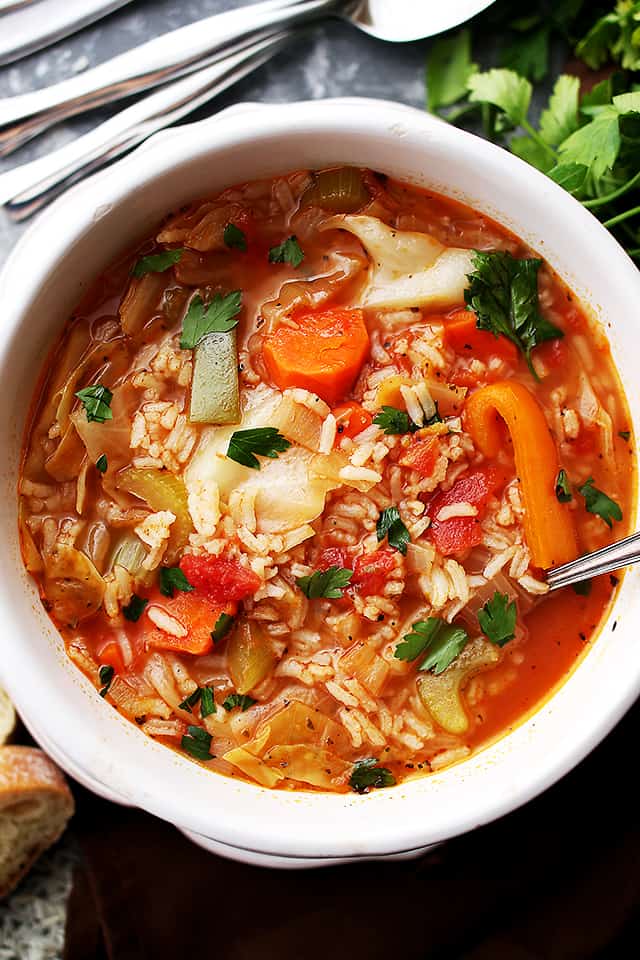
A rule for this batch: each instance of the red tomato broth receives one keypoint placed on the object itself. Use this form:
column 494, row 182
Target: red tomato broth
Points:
column 551, row 641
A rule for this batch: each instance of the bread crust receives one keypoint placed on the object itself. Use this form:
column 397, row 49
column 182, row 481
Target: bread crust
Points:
column 27, row 773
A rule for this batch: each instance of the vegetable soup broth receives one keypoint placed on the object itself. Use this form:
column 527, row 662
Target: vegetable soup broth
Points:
column 289, row 501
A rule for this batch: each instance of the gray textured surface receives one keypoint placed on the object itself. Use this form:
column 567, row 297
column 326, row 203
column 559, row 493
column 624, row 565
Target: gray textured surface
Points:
column 332, row 60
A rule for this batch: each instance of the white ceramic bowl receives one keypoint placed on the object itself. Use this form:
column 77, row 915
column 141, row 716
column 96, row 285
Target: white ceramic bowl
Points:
column 43, row 280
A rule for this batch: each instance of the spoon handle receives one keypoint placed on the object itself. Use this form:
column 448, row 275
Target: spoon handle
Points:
column 605, row 560
column 167, row 57
column 27, row 188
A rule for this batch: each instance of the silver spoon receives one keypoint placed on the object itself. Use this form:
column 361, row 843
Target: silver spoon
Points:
column 202, row 43
column 605, row 560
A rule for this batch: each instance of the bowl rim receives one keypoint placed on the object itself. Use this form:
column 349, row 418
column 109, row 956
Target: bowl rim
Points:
column 360, row 832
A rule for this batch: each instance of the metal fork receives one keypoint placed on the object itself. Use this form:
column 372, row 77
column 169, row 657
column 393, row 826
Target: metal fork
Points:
column 605, row 560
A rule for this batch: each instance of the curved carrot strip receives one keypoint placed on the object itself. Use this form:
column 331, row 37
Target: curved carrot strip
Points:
column 548, row 525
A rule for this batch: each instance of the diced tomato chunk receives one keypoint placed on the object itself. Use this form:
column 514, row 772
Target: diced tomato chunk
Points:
column 351, row 419
column 461, row 533
column 422, row 455
column 195, row 614
column 463, row 336
column 219, row 580
column 111, row 655
column 332, row 557
column 371, row 571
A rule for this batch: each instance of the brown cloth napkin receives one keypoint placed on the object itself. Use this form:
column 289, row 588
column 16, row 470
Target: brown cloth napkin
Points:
column 556, row 880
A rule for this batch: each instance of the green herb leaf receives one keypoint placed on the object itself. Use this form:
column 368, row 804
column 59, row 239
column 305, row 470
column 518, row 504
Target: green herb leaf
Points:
column 570, row 176
column 560, row 119
column 596, row 145
column 325, row 583
column 264, row 441
column 449, row 67
column 197, row 743
column 133, row 610
column 102, row 463
column 624, row 435
column 96, row 401
column 219, row 316
column 503, row 292
column 497, row 619
column 238, row 700
column 394, row 421
column 105, row 676
column 207, row 703
column 505, row 89
column 614, row 36
column 222, row 627
column 528, row 53
column 189, row 702
column 599, row 503
column 366, row 774
column 234, row 237
column 441, row 641
column 563, row 487
column 156, row 262
column 582, row 588
column 172, row 578
column 289, row 251
column 390, row 525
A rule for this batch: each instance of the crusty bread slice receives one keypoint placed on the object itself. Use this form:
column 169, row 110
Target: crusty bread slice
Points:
column 35, row 806
column 7, row 717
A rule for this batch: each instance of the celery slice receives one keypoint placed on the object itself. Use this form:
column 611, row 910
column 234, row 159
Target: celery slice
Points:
column 215, row 393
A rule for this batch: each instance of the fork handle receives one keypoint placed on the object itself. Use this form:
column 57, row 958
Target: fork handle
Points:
column 605, row 560
column 166, row 57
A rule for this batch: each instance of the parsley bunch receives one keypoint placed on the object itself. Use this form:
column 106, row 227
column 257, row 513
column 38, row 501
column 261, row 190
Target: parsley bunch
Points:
column 589, row 143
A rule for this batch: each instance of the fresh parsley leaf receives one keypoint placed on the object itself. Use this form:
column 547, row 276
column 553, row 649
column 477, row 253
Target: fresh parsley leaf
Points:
column 189, row 702
column 289, row 251
column 222, row 627
column 328, row 583
column 448, row 70
column 207, row 703
column 197, row 743
column 599, row 503
column 238, row 700
column 614, row 36
column 264, row 441
column 560, row 119
column 570, row 176
column 441, row 641
column 234, row 237
column 497, row 619
column 625, row 435
column 172, row 578
column 390, row 525
column 133, row 610
column 393, row 421
column 96, row 401
column 596, row 145
column 582, row 588
column 528, row 53
column 366, row 774
column 218, row 316
column 105, row 676
column 102, row 463
column 505, row 89
column 156, row 262
column 563, row 487
column 503, row 292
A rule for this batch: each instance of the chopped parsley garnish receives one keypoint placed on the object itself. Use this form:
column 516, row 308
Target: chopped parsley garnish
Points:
column 441, row 641
column 264, row 441
column 503, row 292
column 156, row 262
column 172, row 578
column 328, row 583
column 133, row 610
column 207, row 703
column 392, row 421
column 625, row 435
column 366, row 774
column 102, row 464
column 238, row 700
column 289, row 251
column 105, row 676
column 582, row 588
column 189, row 702
column 234, row 237
column 599, row 503
column 498, row 619
column 222, row 626
column 563, row 487
column 390, row 525
column 218, row 316
column 96, row 401
column 198, row 743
